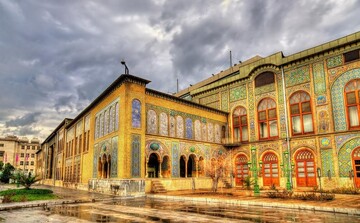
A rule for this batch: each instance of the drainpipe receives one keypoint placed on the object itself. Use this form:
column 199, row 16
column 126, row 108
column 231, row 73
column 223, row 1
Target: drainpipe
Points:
column 287, row 126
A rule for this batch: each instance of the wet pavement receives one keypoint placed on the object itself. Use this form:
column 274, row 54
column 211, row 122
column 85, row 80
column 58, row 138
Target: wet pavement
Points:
column 178, row 206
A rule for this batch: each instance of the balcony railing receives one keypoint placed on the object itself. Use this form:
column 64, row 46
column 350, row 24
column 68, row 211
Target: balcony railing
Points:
column 230, row 142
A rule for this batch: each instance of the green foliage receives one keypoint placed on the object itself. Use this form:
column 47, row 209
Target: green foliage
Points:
column 247, row 183
column 1, row 165
column 21, row 195
column 300, row 196
column 25, row 180
column 7, row 173
column 25, row 191
column 285, row 194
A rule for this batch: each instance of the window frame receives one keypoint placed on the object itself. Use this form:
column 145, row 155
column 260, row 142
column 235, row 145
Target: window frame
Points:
column 301, row 114
column 240, row 125
column 267, row 120
column 357, row 100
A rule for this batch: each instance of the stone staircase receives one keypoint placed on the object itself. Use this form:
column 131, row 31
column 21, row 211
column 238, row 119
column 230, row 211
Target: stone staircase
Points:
column 157, row 187
column 226, row 183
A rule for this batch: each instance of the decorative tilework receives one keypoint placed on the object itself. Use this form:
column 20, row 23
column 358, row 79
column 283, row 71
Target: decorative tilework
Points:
column 320, row 100
column 340, row 140
column 323, row 121
column 209, row 99
column 280, row 97
column 163, row 123
column 203, row 131
column 189, row 128
column 297, row 76
column 334, row 73
column 114, row 155
column 179, row 127
column 175, row 160
column 224, row 101
column 334, row 61
column 136, row 113
column 264, row 89
column 135, row 155
column 197, row 130
column 210, row 128
column 325, row 142
column 237, row 93
column 344, row 156
column 337, row 96
column 319, row 78
column 95, row 160
column 251, row 111
column 172, row 126
column 217, row 133
column 151, row 122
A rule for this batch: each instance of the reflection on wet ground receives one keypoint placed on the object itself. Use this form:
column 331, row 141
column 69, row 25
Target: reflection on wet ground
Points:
column 148, row 210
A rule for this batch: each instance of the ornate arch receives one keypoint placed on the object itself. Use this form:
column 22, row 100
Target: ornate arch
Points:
column 337, row 96
column 344, row 156
column 154, row 146
column 269, row 150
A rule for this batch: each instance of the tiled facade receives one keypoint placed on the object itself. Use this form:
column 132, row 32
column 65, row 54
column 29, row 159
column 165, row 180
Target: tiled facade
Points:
column 131, row 132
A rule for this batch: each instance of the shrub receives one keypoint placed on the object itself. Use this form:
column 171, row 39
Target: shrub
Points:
column 286, row 194
column 7, row 173
column 315, row 197
column 25, row 180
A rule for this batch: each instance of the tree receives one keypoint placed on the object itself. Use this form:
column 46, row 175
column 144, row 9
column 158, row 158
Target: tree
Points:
column 7, row 173
column 218, row 168
column 26, row 180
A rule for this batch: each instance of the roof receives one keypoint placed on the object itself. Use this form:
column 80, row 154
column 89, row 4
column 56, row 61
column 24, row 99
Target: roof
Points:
column 119, row 81
column 278, row 59
column 53, row 133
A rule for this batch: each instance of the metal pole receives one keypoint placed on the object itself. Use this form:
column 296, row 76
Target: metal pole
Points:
column 289, row 180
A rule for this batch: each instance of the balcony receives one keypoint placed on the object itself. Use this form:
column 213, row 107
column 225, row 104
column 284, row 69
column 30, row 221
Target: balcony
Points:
column 229, row 142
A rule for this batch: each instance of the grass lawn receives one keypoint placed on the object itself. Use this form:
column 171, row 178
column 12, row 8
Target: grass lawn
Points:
column 20, row 195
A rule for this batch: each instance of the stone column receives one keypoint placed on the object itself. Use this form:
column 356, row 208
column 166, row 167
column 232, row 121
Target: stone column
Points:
column 159, row 173
column 197, row 167
column 146, row 165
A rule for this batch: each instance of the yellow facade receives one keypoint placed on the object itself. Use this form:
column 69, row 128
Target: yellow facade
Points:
column 140, row 134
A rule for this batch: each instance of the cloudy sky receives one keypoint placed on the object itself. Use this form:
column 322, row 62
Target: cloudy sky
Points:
column 57, row 56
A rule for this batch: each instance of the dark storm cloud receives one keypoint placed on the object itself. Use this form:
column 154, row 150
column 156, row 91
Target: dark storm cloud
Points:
column 27, row 119
column 57, row 56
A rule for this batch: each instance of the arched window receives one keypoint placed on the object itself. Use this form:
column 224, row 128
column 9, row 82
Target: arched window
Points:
column 197, row 130
column 116, row 113
column 106, row 122
column 264, row 78
column 352, row 101
column 101, row 125
column 267, row 119
column 240, row 126
column 301, row 114
column 152, row 122
column 179, row 127
column 111, row 119
column 189, row 128
column 163, row 123
column 136, row 113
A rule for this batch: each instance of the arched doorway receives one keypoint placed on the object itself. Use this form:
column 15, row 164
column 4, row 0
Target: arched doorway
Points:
column 356, row 166
column 153, row 166
column 182, row 166
column 270, row 170
column 305, row 168
column 165, row 167
column 241, row 169
column 191, row 166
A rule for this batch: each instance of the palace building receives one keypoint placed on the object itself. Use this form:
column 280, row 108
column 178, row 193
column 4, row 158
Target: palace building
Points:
column 288, row 121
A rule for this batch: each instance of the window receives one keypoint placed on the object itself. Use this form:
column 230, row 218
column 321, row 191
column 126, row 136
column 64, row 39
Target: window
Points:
column 301, row 115
column 267, row 119
column 240, row 125
column 136, row 113
column 33, row 147
column 1, row 144
column 32, row 163
column 352, row 55
column 22, row 155
column 21, row 162
column 352, row 101
column 32, row 155
column 28, row 147
column 27, row 163
column 264, row 79
column 22, row 147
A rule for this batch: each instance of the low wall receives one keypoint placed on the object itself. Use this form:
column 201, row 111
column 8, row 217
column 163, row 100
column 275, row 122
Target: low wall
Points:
column 173, row 184
column 123, row 187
